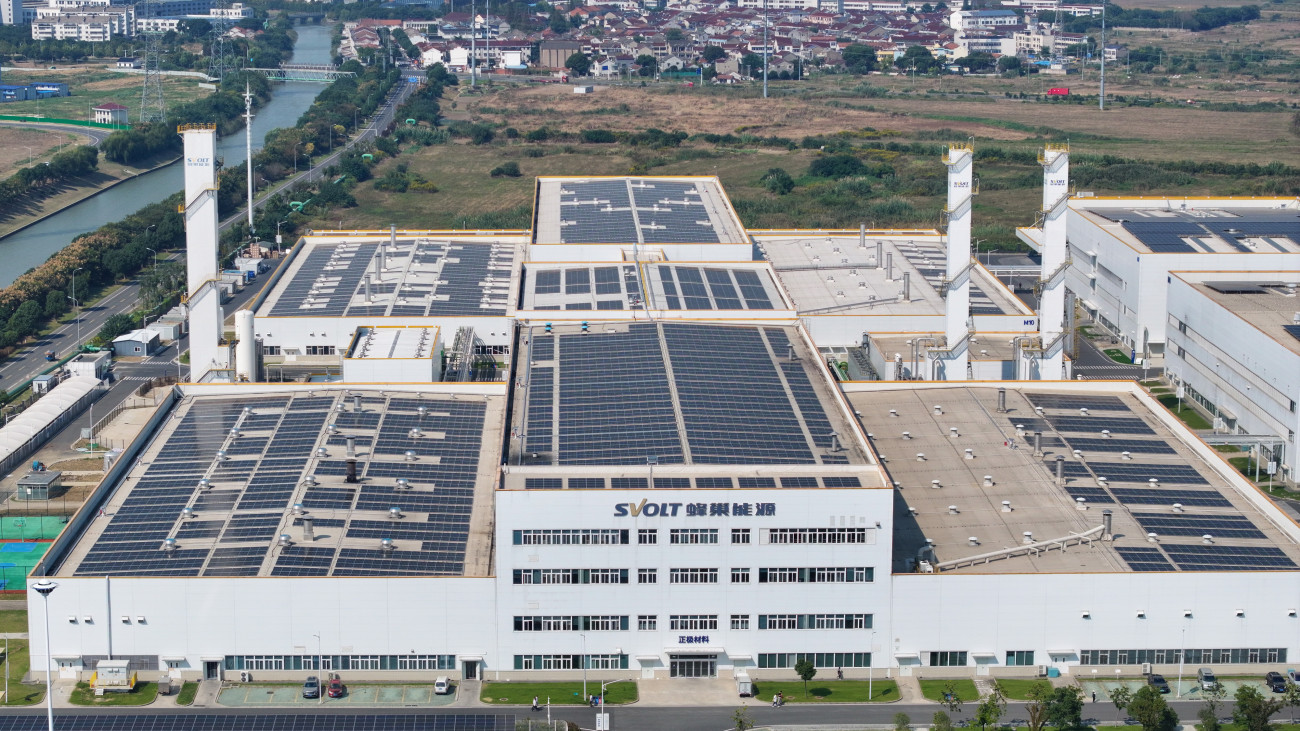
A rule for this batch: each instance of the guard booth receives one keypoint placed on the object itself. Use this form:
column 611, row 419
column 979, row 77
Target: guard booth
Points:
column 112, row 676
column 40, row 485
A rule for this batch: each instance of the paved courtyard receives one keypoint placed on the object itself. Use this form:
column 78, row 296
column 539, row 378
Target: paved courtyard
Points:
column 252, row 695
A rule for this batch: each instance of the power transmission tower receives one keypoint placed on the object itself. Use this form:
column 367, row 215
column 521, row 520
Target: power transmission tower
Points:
column 152, row 106
column 217, row 46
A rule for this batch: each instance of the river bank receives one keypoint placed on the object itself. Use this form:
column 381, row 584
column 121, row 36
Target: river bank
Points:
column 101, row 181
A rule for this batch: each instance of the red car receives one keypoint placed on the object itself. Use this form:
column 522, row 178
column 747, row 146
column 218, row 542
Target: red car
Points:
column 335, row 688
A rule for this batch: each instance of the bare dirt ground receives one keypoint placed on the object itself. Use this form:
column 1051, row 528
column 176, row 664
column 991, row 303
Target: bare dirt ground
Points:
column 699, row 111
column 14, row 142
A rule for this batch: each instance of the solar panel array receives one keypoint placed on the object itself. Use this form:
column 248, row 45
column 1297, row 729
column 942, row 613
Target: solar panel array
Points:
column 674, row 287
column 420, row 277
column 930, row 261
column 608, row 398
column 289, row 450
column 266, row 722
column 1292, row 330
column 634, row 211
column 710, row 288
column 1203, row 509
column 1168, row 235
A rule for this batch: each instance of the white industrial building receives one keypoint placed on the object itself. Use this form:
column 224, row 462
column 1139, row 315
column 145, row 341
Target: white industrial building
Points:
column 1234, row 348
column 638, row 429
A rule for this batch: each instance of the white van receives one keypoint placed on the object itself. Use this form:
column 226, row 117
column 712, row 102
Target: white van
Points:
column 442, row 686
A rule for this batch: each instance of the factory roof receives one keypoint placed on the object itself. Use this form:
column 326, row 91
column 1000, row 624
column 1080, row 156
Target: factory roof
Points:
column 678, row 400
column 743, row 287
column 394, row 343
column 640, row 210
column 368, row 276
column 1170, row 226
column 1175, row 505
column 835, row 273
column 242, row 463
column 1264, row 300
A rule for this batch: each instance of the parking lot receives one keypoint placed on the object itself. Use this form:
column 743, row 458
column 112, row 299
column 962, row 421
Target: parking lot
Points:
column 252, row 695
column 1190, row 689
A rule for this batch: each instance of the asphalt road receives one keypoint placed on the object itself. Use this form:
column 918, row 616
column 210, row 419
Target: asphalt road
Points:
column 95, row 134
column 632, row 718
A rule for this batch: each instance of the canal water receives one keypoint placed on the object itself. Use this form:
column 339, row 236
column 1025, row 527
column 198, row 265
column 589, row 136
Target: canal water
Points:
column 34, row 244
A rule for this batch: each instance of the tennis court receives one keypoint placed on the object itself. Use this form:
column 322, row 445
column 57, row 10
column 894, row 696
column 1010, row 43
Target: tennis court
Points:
column 17, row 560
column 31, row 527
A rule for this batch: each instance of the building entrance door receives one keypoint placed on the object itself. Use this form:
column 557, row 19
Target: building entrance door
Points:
column 693, row 666
column 211, row 670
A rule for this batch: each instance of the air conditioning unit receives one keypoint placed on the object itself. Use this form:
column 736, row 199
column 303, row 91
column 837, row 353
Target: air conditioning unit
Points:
column 1146, row 668
column 1042, row 671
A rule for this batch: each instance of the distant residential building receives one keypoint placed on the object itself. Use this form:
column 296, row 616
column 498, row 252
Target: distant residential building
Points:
column 128, row 62
column 110, row 113
column 157, row 25
column 554, row 53
column 968, row 19
column 11, row 12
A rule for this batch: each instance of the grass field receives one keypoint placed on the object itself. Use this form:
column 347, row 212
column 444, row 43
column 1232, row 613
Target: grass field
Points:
column 187, row 692
column 19, row 665
column 1018, row 690
column 92, row 85
column 561, row 694
column 1190, row 416
column 827, row 691
column 144, row 694
column 14, row 620
column 18, row 146
column 934, row 689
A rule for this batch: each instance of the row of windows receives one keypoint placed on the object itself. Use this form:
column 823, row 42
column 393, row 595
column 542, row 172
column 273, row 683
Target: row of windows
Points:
column 570, row 576
column 814, row 621
column 819, row 659
column 570, row 623
column 571, row 537
column 816, row 575
column 340, row 662
column 1020, row 657
column 947, row 659
column 695, row 576
column 692, row 576
column 683, row 536
column 570, row 662
column 817, row 535
column 1237, row 655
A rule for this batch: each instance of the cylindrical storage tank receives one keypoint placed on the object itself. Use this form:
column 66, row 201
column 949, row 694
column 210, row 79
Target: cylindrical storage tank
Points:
column 246, row 368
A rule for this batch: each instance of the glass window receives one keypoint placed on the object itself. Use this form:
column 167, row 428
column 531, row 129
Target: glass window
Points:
column 740, row 576
column 647, row 576
column 740, row 621
column 647, row 622
column 740, row 535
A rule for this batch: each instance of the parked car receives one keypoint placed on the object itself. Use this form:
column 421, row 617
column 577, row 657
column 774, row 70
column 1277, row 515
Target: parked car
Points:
column 1205, row 677
column 335, row 688
column 311, row 688
column 1158, row 682
column 1275, row 682
column 1293, row 675
column 442, row 686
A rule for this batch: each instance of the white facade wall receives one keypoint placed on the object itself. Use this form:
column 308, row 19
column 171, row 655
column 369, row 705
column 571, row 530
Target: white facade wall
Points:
column 554, row 509
column 300, row 332
column 1233, row 364
column 211, row 618
column 1044, row 613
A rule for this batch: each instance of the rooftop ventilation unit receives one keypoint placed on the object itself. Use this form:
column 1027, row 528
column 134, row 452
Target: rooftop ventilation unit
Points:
column 409, row 455
column 395, row 514
column 386, row 544
column 205, row 484
column 170, row 546
column 285, row 540
column 187, row 513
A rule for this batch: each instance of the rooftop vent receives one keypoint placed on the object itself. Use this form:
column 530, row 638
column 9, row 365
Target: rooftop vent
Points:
column 234, row 432
column 1178, row 507
column 1125, row 455
column 187, row 513
column 285, row 540
column 988, row 480
column 298, row 509
column 403, row 483
column 970, row 454
column 170, row 546
column 952, row 510
column 1006, row 506
column 893, row 413
column 309, row 480
column 322, row 452
column 221, row 455
column 1153, row 538
column 1207, row 539
column 1105, row 433
column 920, row 456
column 935, row 484
column 395, row 514
column 386, row 544
column 973, row 540
column 952, row 432
column 205, row 484
column 409, row 455
column 907, row 435
column 938, row 409
column 1028, row 537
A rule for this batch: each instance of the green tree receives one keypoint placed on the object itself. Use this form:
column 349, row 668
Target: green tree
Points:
column 753, row 62
column 1252, row 710
column 1065, row 709
column 805, row 669
column 115, row 325
column 941, row 722
column 674, row 35
column 715, row 53
column 951, row 697
column 56, row 303
column 558, row 23
column 990, row 710
column 1009, row 63
column 647, row 64
column 741, row 720
column 902, row 722
column 979, row 62
column 578, row 64
column 1150, row 710
column 859, row 58
column 1120, row 696
column 917, row 57
column 778, row 181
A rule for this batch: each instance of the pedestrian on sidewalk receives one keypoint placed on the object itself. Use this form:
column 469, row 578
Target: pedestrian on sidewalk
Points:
column 535, row 708
column 1094, row 696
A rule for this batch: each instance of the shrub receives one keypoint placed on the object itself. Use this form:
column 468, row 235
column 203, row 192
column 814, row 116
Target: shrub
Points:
column 836, row 166
column 598, row 136
column 509, row 170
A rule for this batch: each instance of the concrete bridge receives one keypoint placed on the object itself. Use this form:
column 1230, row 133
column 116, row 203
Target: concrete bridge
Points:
column 323, row 73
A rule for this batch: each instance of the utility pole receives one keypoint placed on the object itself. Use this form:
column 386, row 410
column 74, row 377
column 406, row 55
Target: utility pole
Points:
column 1101, row 97
column 766, row 22
column 248, row 151
column 473, row 46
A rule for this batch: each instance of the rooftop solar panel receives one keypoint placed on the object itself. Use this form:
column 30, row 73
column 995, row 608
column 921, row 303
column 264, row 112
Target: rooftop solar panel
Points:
column 1201, row 557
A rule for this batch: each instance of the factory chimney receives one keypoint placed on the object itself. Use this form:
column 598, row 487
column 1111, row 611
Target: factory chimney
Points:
column 203, row 276
column 1051, row 305
column 959, row 158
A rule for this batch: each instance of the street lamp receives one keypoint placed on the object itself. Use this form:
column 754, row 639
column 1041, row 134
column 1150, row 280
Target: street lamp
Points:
column 155, row 256
column 605, row 685
column 277, row 235
column 1182, row 652
column 871, row 666
column 44, row 587
column 29, row 155
column 77, row 305
column 583, row 635
column 320, row 660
